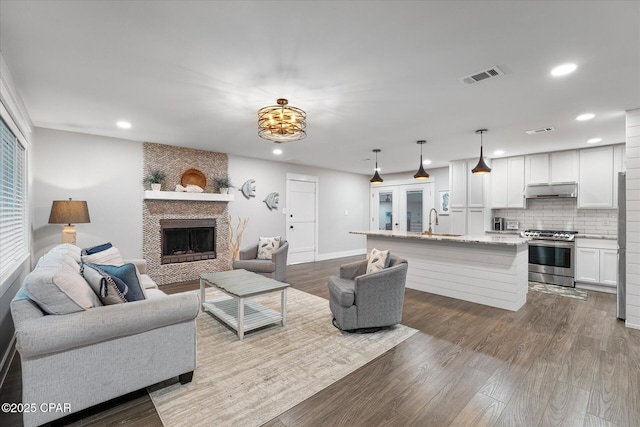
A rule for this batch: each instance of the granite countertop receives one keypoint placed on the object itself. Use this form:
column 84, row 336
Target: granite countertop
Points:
column 484, row 239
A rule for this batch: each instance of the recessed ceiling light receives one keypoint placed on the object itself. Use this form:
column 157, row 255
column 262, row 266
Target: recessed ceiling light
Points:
column 563, row 70
column 426, row 162
column 498, row 153
column 123, row 125
column 594, row 140
column 277, row 151
column 586, row 116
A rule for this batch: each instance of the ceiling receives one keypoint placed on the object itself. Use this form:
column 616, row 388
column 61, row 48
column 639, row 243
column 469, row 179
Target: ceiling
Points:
column 378, row 74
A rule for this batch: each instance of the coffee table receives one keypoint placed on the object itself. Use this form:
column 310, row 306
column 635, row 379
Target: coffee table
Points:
column 237, row 310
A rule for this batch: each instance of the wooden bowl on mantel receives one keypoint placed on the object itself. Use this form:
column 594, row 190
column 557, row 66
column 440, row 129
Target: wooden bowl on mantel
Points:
column 194, row 177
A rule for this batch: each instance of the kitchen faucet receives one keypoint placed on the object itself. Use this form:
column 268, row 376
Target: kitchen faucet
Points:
column 430, row 222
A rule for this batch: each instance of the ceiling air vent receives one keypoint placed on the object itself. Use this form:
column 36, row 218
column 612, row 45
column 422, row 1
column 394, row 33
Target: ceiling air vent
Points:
column 487, row 74
column 537, row 131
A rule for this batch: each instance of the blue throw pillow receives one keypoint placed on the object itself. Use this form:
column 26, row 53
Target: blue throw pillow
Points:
column 96, row 249
column 121, row 280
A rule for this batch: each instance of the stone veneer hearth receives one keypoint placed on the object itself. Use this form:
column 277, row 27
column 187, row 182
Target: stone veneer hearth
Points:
column 174, row 161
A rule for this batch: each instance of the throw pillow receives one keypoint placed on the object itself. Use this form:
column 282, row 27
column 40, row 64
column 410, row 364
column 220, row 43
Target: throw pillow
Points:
column 109, row 256
column 114, row 284
column 267, row 246
column 96, row 249
column 59, row 290
column 378, row 260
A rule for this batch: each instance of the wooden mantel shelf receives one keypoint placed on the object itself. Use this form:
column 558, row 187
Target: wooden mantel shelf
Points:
column 178, row 195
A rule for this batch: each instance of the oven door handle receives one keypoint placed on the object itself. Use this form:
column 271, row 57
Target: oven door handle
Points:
column 551, row 243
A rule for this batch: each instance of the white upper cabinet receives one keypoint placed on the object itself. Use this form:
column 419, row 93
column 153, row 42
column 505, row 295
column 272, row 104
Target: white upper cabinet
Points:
column 507, row 182
column 595, row 189
column 458, row 184
column 563, row 166
column 551, row 168
column 499, row 186
column 536, row 168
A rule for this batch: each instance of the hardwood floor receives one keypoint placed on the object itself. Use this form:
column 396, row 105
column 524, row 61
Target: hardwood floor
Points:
column 557, row 361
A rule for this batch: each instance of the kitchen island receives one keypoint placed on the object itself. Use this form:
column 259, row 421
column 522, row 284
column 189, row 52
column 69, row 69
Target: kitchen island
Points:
column 489, row 269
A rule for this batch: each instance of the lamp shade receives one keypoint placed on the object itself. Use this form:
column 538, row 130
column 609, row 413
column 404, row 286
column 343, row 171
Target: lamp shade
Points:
column 69, row 212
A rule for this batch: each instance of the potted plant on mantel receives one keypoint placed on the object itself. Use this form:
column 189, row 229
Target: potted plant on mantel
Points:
column 223, row 184
column 155, row 178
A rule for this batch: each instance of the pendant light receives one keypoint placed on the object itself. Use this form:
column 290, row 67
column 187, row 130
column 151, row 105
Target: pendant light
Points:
column 421, row 174
column 376, row 178
column 481, row 167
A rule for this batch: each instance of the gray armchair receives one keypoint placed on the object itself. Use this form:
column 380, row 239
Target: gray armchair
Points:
column 362, row 301
column 275, row 268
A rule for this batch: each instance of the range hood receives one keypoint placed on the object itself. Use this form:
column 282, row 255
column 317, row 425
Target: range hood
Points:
column 551, row 191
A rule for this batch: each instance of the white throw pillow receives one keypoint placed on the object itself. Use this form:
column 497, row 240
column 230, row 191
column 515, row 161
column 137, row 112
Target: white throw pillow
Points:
column 378, row 260
column 109, row 256
column 267, row 246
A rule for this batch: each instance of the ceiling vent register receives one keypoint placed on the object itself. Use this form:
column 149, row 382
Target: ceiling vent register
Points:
column 537, row 131
column 483, row 75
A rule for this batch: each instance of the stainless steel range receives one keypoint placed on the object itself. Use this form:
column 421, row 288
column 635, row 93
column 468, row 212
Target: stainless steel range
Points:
column 551, row 256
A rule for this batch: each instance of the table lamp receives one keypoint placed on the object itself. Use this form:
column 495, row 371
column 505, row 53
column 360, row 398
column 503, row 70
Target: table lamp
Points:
column 68, row 212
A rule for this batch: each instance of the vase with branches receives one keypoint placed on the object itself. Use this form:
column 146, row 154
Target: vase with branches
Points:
column 236, row 241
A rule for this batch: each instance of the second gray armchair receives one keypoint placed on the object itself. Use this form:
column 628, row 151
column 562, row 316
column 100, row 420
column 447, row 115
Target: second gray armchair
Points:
column 274, row 268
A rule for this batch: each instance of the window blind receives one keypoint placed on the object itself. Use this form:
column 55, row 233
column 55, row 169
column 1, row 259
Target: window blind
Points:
column 12, row 199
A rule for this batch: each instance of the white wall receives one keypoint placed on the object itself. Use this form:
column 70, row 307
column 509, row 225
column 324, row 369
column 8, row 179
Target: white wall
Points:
column 337, row 192
column 106, row 172
column 633, row 218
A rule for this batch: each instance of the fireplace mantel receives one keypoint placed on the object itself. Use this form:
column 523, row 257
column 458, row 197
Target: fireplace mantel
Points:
column 179, row 195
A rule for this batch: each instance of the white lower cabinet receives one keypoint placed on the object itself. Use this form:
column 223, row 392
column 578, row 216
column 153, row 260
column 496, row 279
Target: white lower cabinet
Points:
column 596, row 264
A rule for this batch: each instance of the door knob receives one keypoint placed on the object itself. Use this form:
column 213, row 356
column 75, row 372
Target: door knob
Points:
column 291, row 226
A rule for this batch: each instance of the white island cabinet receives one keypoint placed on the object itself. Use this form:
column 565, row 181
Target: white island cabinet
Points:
column 486, row 269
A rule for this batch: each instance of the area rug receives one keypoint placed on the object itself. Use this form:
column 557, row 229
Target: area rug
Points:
column 558, row 290
column 247, row 383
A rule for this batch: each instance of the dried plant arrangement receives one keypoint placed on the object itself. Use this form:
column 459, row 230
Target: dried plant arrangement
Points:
column 235, row 242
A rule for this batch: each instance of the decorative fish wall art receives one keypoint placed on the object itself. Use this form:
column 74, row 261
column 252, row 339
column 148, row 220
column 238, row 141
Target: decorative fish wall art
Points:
column 249, row 188
column 272, row 200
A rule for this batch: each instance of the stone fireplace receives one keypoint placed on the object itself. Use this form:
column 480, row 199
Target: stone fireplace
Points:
column 174, row 214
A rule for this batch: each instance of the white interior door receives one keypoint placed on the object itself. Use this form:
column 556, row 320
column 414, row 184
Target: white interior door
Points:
column 301, row 220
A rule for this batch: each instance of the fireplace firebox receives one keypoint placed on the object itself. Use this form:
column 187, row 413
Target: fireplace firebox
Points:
column 186, row 240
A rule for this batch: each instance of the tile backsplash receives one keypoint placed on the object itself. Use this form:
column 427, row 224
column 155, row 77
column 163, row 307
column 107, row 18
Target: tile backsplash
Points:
column 562, row 214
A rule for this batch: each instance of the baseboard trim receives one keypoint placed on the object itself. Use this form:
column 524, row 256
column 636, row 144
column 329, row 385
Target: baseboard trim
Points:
column 334, row 255
column 631, row 325
column 6, row 361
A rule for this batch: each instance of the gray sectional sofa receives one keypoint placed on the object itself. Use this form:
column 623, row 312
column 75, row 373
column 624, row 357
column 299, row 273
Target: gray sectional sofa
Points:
column 78, row 353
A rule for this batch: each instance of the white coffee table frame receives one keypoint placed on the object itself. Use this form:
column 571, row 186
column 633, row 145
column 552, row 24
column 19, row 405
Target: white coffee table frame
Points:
column 237, row 310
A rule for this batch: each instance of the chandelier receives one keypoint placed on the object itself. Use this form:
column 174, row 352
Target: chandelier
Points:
column 282, row 123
